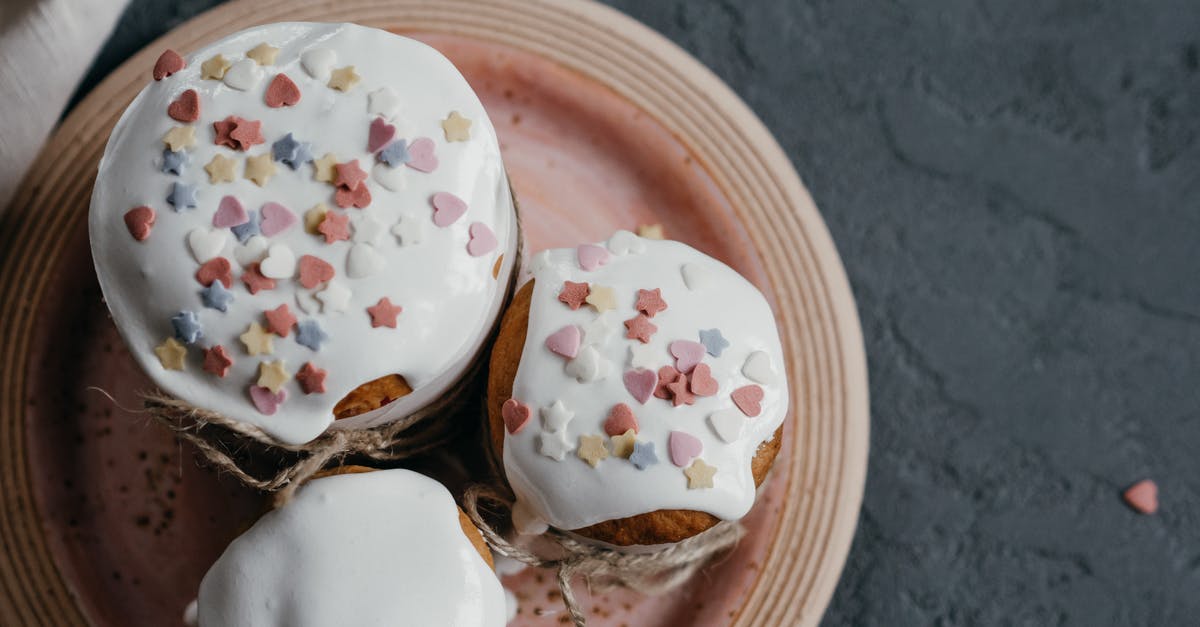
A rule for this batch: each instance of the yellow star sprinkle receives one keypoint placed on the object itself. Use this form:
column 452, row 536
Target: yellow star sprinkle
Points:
column 220, row 169
column 264, row 54
column 171, row 354
column 214, row 68
column 622, row 445
column 257, row 340
column 700, row 475
column 592, row 450
column 602, row 298
column 313, row 218
column 180, row 137
column 456, row 127
column 272, row 375
column 344, row 79
column 323, row 168
column 650, row 231
column 260, row 169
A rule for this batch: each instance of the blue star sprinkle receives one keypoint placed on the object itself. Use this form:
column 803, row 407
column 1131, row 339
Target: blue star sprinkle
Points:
column 310, row 334
column 182, row 196
column 173, row 162
column 643, row 455
column 714, row 343
column 303, row 155
column 187, row 327
column 395, row 154
column 247, row 229
column 291, row 152
column 215, row 296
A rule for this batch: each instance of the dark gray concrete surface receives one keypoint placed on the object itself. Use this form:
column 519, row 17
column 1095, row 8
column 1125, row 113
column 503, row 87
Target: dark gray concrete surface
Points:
column 1014, row 188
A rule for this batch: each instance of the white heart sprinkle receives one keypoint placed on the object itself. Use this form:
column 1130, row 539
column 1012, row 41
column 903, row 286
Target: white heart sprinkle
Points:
column 383, row 102
column 318, row 62
column 280, row 262
column 244, row 75
column 307, row 301
column 727, row 424
column 588, row 366
column 363, row 261
column 206, row 243
column 252, row 251
column 367, row 229
column 624, row 243
column 393, row 179
column 409, row 230
column 758, row 367
column 696, row 276
column 556, row 416
column 335, row 297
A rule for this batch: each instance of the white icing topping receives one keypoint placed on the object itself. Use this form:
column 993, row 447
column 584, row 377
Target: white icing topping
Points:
column 570, row 493
column 449, row 296
column 377, row 548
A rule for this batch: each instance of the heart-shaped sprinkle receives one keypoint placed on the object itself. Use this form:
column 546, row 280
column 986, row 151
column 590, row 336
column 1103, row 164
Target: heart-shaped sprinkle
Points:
column 515, row 414
column 565, row 341
column 620, row 419
column 230, row 212
column 244, row 75
column 218, row 269
column 266, row 401
column 684, row 447
column 702, row 382
column 421, row 155
column 695, row 276
column 252, row 251
column 280, row 262
column 319, row 62
column 758, row 368
column 282, row 92
column 359, row 197
column 276, row 219
column 447, row 208
column 1143, row 496
column 687, row 354
column 140, row 221
column 392, row 179
column 641, row 383
column 206, row 243
column 185, row 108
column 379, row 135
column 587, row 366
column 666, row 376
column 363, row 261
column 591, row 256
column 313, row 271
column 483, row 240
column 748, row 398
column 624, row 243
column 169, row 62
column 727, row 424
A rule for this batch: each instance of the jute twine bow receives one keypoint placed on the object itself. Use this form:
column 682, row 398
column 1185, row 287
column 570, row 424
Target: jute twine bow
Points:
column 650, row 573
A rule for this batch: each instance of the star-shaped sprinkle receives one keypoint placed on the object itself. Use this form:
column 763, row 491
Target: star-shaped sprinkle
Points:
column 187, row 327
column 310, row 334
column 344, row 79
column 247, row 133
column 255, row 281
column 335, row 227
column 260, row 169
column 573, row 294
column 314, row 217
column 273, row 375
column 182, row 196
column 622, row 445
column 554, row 444
column 303, row 155
column 334, row 298
column 650, row 231
column 700, row 475
column 180, row 137
column 285, row 150
column 280, row 320
column 171, row 354
column 220, row 169
column 592, row 449
column 311, row 379
column 367, row 229
column 456, row 127
column 640, row 328
column 257, row 340
column 650, row 302
column 348, row 175
column 395, row 154
column 601, row 298
column 680, row 392
column 323, row 168
column 216, row 296
column 214, row 69
column 221, row 131
column 173, row 162
column 249, row 228
column 383, row 102
column 714, row 343
column 263, row 53
column 556, row 416
column 644, row 356
column 643, row 455
column 384, row 313
column 217, row 361
column 409, row 230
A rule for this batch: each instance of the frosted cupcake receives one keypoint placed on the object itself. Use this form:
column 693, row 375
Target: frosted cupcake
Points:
column 303, row 227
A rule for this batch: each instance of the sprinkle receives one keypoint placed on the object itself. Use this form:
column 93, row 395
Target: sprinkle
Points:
column 180, row 137
column 383, row 102
column 334, row 298
column 182, row 196
column 1142, row 496
column 276, row 219
column 687, row 354
column 251, row 251
column 323, row 168
column 695, row 276
column 408, row 230
column 384, row 313
column 622, row 445
column 598, row 331
column 335, row 227
column 206, row 243
column 554, row 444
column 318, row 62
column 650, row 231
column 187, row 327
column 280, row 320
column 680, row 394
column 349, row 175
column 700, row 475
column 280, row 262
column 310, row 334
column 624, row 243
column 311, row 379
column 367, row 230
column 714, row 343
column 643, row 455
column 640, row 328
column 344, row 79
column 246, row 133
column 666, row 376
column 447, row 208
column 217, row 361
column 683, row 448
column 643, row 355
column 573, row 294
column 422, row 155
column 556, row 416
column 588, row 366
column 358, row 197
column 650, row 302
column 171, row 354
column 168, row 63
column 748, row 398
column 230, row 212
column 140, row 221
column 564, row 342
column 173, row 162
column 482, row 240
column 515, row 415
column 727, row 424
column 273, row 375
column 244, row 75
column 314, row 217
column 290, row 152
column 216, row 296
column 758, row 368
column 260, row 169
column 456, row 127
column 379, row 134
column 620, row 420
column 591, row 256
column 263, row 53
column 702, row 383
column 592, row 449
column 214, row 69
column 185, row 108
column 266, row 402
column 257, row 340
column 601, row 298
column 395, row 154
column 640, row 383
column 255, row 281
column 248, row 229
column 220, row 169
column 314, row 271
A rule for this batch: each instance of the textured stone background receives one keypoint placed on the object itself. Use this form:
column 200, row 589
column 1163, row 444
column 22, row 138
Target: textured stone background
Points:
column 1014, row 188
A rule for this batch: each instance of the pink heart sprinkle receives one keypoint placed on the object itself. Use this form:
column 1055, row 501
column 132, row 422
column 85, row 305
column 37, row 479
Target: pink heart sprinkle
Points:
column 380, row 135
column 140, row 221
column 748, row 398
column 276, row 219
column 564, row 341
column 266, row 401
column 420, row 155
column 1143, row 496
column 641, row 383
column 447, row 208
column 515, row 414
column 684, row 447
column 702, row 382
column 483, row 240
column 687, row 354
column 230, row 212
column 620, row 419
column 592, row 256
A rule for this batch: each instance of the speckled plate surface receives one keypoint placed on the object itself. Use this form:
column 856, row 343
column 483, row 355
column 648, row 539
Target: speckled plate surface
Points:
column 604, row 124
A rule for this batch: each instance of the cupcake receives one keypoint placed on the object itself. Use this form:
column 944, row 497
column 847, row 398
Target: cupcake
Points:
column 359, row 548
column 305, row 226
column 636, row 393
